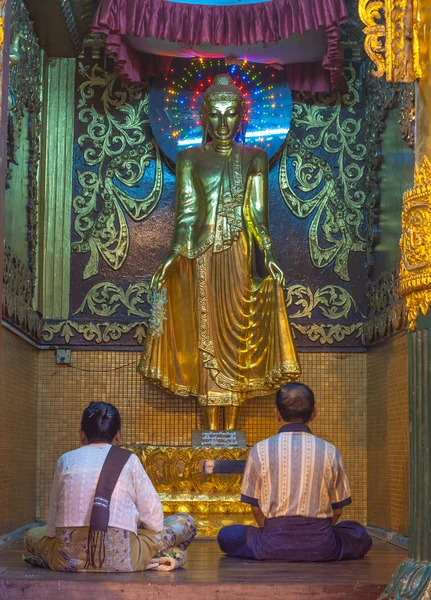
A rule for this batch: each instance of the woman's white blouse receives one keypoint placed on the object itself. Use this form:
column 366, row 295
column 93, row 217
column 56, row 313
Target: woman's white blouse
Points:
column 134, row 498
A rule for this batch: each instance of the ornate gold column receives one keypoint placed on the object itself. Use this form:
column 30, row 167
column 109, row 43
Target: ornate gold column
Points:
column 397, row 33
column 5, row 13
column 391, row 37
column 401, row 48
column 415, row 267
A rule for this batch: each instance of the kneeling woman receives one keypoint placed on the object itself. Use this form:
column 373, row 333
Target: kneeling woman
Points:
column 104, row 513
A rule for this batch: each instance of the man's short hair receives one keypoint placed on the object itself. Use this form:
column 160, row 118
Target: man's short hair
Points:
column 295, row 402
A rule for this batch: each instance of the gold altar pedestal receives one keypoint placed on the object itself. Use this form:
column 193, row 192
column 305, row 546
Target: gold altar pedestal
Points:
column 213, row 500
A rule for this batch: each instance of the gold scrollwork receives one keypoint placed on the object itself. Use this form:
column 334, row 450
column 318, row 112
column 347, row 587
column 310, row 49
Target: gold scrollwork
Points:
column 105, row 333
column 332, row 300
column 371, row 13
column 415, row 244
column 104, row 299
column 334, row 196
column 117, row 151
column 328, row 333
column 98, row 333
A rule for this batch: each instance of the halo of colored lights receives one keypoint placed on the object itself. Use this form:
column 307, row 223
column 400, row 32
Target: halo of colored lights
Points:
column 175, row 101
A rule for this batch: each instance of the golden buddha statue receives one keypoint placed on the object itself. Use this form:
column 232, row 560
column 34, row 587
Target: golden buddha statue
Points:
column 222, row 334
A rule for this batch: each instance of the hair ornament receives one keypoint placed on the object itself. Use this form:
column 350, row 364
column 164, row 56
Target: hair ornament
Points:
column 94, row 411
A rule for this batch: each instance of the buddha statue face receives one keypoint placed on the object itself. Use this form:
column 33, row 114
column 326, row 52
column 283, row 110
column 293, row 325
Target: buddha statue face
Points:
column 222, row 111
column 222, row 119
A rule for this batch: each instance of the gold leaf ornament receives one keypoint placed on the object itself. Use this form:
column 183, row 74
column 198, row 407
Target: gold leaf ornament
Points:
column 333, row 301
column 117, row 151
column 332, row 195
column 371, row 13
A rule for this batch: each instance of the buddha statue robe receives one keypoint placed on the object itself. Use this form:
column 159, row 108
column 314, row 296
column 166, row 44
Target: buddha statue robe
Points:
column 225, row 334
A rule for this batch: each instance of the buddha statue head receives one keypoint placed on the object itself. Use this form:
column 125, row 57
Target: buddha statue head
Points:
column 222, row 111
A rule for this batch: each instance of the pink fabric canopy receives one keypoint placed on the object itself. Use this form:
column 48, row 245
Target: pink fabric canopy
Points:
column 193, row 24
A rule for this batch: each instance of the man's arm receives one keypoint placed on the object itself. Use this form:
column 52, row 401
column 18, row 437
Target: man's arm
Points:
column 340, row 495
column 336, row 515
column 258, row 515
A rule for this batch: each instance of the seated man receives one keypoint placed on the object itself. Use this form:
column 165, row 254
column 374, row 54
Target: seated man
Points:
column 104, row 513
column 297, row 487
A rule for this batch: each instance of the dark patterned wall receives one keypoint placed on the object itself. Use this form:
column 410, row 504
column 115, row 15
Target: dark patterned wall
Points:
column 21, row 210
column 124, row 201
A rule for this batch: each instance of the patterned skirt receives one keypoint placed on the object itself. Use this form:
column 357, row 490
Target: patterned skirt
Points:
column 125, row 551
column 296, row 539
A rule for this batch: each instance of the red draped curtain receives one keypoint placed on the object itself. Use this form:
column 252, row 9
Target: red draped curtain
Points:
column 194, row 24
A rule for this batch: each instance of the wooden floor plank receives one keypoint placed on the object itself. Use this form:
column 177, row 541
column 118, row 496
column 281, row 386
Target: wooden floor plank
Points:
column 208, row 575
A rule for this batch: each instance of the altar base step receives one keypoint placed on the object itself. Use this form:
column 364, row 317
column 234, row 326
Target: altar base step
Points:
column 213, row 500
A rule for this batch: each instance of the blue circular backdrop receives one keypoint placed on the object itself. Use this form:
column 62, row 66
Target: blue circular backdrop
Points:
column 174, row 104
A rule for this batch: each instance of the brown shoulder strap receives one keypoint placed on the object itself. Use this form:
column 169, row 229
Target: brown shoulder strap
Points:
column 99, row 520
column 109, row 475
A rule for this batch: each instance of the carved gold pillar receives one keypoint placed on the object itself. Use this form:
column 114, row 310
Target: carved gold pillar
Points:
column 401, row 48
column 415, row 267
column 56, row 188
column 5, row 14
column 391, row 37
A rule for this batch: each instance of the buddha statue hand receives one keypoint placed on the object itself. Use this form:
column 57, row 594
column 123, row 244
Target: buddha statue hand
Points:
column 272, row 266
column 164, row 270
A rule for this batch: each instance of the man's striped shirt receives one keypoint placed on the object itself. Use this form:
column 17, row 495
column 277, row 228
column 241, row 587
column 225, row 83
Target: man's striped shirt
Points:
column 295, row 473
